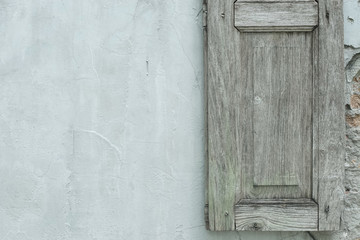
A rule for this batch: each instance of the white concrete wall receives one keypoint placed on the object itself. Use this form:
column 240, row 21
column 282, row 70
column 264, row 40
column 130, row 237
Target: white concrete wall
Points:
column 101, row 121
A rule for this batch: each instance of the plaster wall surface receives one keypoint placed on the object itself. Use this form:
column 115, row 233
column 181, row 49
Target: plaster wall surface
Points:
column 101, row 122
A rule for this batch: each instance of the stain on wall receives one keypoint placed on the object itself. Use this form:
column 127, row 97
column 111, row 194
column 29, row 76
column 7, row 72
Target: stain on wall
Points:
column 101, row 122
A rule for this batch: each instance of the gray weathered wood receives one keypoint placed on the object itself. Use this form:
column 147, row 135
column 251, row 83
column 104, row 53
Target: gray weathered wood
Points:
column 205, row 56
column 331, row 114
column 274, row 121
column 260, row 73
column 223, row 41
column 276, row 215
column 315, row 117
column 272, row 1
column 266, row 16
column 282, row 108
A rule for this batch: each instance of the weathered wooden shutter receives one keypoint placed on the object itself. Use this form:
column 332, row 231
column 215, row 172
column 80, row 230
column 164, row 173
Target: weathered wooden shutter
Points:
column 275, row 114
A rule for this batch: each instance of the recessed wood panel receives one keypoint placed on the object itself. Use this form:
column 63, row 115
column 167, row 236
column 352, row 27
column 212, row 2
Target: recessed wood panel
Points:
column 282, row 120
column 276, row 129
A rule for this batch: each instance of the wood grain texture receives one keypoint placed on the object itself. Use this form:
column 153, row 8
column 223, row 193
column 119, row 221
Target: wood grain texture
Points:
column 331, row 114
column 282, row 1
column 315, row 116
column 205, row 59
column 255, row 83
column 276, row 70
column 276, row 215
column 223, row 99
column 282, row 108
column 276, row 16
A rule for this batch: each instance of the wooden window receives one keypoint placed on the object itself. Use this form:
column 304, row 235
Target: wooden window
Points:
column 274, row 114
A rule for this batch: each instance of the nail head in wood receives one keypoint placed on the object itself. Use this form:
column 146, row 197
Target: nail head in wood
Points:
column 327, row 209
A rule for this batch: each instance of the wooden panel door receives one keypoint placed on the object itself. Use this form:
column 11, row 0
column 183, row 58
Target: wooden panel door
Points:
column 274, row 114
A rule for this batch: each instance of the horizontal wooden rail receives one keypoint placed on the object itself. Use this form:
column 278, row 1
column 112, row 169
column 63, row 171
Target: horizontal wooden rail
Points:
column 276, row 215
column 275, row 16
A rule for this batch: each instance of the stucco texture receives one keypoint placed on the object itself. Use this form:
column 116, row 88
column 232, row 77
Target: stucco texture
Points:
column 101, row 122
